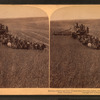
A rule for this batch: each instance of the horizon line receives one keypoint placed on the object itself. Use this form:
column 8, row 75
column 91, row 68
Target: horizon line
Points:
column 76, row 19
column 24, row 17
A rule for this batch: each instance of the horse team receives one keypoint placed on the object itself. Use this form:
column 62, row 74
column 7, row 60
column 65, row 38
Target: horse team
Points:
column 17, row 43
column 82, row 34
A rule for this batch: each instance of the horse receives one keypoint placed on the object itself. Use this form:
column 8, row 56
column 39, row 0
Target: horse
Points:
column 19, row 45
column 78, row 36
column 28, row 45
column 92, row 45
column 31, row 45
column 74, row 35
column 36, row 46
column 41, row 47
column 4, row 41
column 14, row 45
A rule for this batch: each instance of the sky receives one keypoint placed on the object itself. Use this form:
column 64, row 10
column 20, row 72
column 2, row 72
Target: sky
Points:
column 21, row 12
column 54, row 12
column 76, row 12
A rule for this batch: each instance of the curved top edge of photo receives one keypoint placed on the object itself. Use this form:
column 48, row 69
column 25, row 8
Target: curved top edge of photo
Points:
column 7, row 12
column 76, row 12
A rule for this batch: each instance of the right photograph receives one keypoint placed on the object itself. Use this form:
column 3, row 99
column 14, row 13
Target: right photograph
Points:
column 75, row 47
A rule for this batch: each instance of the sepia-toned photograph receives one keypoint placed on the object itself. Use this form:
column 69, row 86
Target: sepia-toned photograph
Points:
column 24, row 47
column 49, row 49
column 75, row 47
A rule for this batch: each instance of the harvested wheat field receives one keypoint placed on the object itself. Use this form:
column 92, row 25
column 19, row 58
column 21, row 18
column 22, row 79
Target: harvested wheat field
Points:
column 20, row 68
column 74, row 65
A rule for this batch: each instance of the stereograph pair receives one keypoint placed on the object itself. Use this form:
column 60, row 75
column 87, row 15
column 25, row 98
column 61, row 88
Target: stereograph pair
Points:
column 67, row 56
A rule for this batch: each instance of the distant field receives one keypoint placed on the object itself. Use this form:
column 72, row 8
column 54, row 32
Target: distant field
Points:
column 94, row 25
column 72, row 64
column 25, row 68
column 33, row 29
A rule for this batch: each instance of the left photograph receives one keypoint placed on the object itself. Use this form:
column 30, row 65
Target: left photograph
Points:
column 24, row 47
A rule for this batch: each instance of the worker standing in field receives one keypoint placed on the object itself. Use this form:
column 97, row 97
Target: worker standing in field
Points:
column 76, row 27
column 0, row 26
column 87, row 30
column 81, row 27
column 6, row 28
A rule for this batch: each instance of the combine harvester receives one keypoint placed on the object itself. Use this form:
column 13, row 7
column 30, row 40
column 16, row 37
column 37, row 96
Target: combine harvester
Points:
column 3, row 29
column 81, row 33
column 9, row 40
